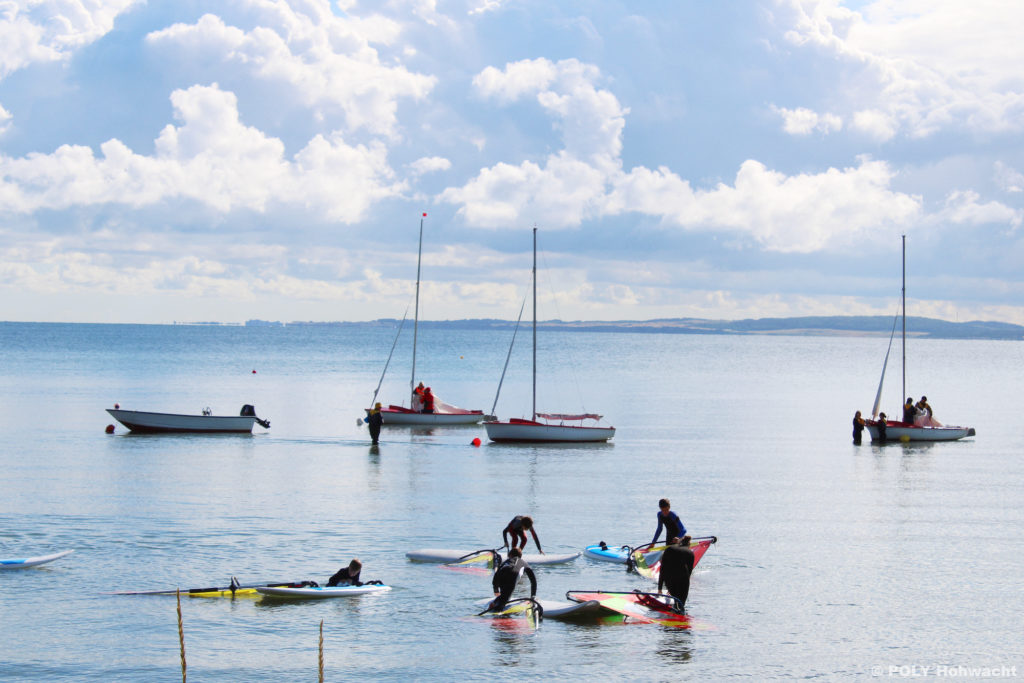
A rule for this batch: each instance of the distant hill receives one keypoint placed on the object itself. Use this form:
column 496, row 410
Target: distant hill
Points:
column 851, row 326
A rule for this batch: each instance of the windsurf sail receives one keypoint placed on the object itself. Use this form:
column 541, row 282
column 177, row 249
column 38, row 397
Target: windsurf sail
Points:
column 231, row 590
column 490, row 556
column 637, row 606
column 526, row 608
column 652, row 570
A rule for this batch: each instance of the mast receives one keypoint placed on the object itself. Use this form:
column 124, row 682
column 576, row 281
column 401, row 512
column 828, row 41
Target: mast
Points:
column 416, row 315
column 904, row 307
column 535, row 323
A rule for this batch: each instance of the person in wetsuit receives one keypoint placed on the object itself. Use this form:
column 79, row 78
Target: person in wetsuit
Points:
column 676, row 567
column 909, row 411
column 518, row 527
column 507, row 576
column 374, row 420
column 347, row 576
column 882, row 424
column 858, row 427
column 669, row 520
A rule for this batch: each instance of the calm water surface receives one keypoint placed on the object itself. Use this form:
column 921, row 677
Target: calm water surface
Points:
column 833, row 560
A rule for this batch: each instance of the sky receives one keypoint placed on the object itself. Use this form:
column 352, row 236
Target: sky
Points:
column 272, row 159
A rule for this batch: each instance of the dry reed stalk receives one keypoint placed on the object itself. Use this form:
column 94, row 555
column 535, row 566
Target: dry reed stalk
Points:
column 321, row 658
column 181, row 637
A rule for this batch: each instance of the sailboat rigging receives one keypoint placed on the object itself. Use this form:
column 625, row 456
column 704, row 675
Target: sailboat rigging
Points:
column 919, row 429
column 443, row 413
column 517, row 429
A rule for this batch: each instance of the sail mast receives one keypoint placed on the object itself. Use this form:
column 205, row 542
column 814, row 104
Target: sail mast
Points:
column 534, row 322
column 416, row 315
column 904, row 306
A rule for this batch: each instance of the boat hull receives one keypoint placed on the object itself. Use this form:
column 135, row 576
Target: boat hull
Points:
column 901, row 431
column 538, row 432
column 154, row 423
column 397, row 416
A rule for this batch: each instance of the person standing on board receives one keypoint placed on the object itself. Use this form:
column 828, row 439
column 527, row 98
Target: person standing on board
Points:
column 428, row 401
column 507, row 576
column 676, row 567
column 669, row 520
column 347, row 576
column 374, row 420
column 518, row 527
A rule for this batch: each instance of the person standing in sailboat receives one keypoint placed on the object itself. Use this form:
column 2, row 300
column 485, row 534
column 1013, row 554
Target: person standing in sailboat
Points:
column 924, row 412
column 417, row 398
column 428, row 401
column 909, row 411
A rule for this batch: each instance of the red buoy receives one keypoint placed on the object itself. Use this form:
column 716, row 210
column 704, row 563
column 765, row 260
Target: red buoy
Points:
column 476, row 441
column 109, row 429
column 117, row 406
column 254, row 372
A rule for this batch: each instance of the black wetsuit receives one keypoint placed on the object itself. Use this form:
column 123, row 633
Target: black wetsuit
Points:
column 515, row 527
column 858, row 427
column 909, row 413
column 881, row 430
column 673, row 526
column 676, row 567
column 505, row 579
column 342, row 578
column 374, row 421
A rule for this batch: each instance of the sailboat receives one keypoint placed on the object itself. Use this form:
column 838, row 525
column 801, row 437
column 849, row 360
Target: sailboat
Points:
column 554, row 427
column 896, row 430
column 444, row 413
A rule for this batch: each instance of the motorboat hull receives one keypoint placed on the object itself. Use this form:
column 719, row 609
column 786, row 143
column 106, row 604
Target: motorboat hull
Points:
column 153, row 423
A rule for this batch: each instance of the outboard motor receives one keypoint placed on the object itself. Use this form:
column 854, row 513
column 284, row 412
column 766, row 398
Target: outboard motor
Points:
column 249, row 410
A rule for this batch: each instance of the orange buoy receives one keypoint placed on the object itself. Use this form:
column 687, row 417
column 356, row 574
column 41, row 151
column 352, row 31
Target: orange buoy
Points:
column 109, row 429
column 476, row 441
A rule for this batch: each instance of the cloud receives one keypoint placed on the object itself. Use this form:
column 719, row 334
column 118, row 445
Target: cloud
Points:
column 964, row 208
column 36, row 31
column 429, row 165
column 327, row 61
column 800, row 213
column 5, row 120
column 801, row 121
column 919, row 67
column 486, row 6
column 1009, row 179
column 211, row 158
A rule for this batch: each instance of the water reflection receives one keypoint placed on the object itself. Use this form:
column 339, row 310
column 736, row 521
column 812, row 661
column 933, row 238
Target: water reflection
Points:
column 513, row 640
column 675, row 645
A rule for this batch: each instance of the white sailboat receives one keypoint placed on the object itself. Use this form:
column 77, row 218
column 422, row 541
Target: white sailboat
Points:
column 444, row 413
column 554, row 427
column 924, row 428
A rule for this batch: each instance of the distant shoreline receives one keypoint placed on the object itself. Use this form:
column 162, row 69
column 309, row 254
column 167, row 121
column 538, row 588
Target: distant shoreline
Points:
column 821, row 326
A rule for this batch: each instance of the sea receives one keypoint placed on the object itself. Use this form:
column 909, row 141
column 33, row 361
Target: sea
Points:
column 834, row 561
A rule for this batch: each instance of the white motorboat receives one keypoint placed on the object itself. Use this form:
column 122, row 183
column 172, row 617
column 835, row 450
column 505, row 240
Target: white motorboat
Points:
column 142, row 421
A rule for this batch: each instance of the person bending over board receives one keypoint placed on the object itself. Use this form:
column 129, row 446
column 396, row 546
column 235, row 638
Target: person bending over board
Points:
column 666, row 518
column 518, row 527
column 507, row 576
column 347, row 576
column 676, row 567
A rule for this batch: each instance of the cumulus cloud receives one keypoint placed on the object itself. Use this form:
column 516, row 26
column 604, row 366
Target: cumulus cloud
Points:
column 920, row 67
column 801, row 121
column 5, row 120
column 964, row 207
column 1008, row 178
column 33, row 31
column 585, row 180
column 211, row 158
column 429, row 165
column 327, row 61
